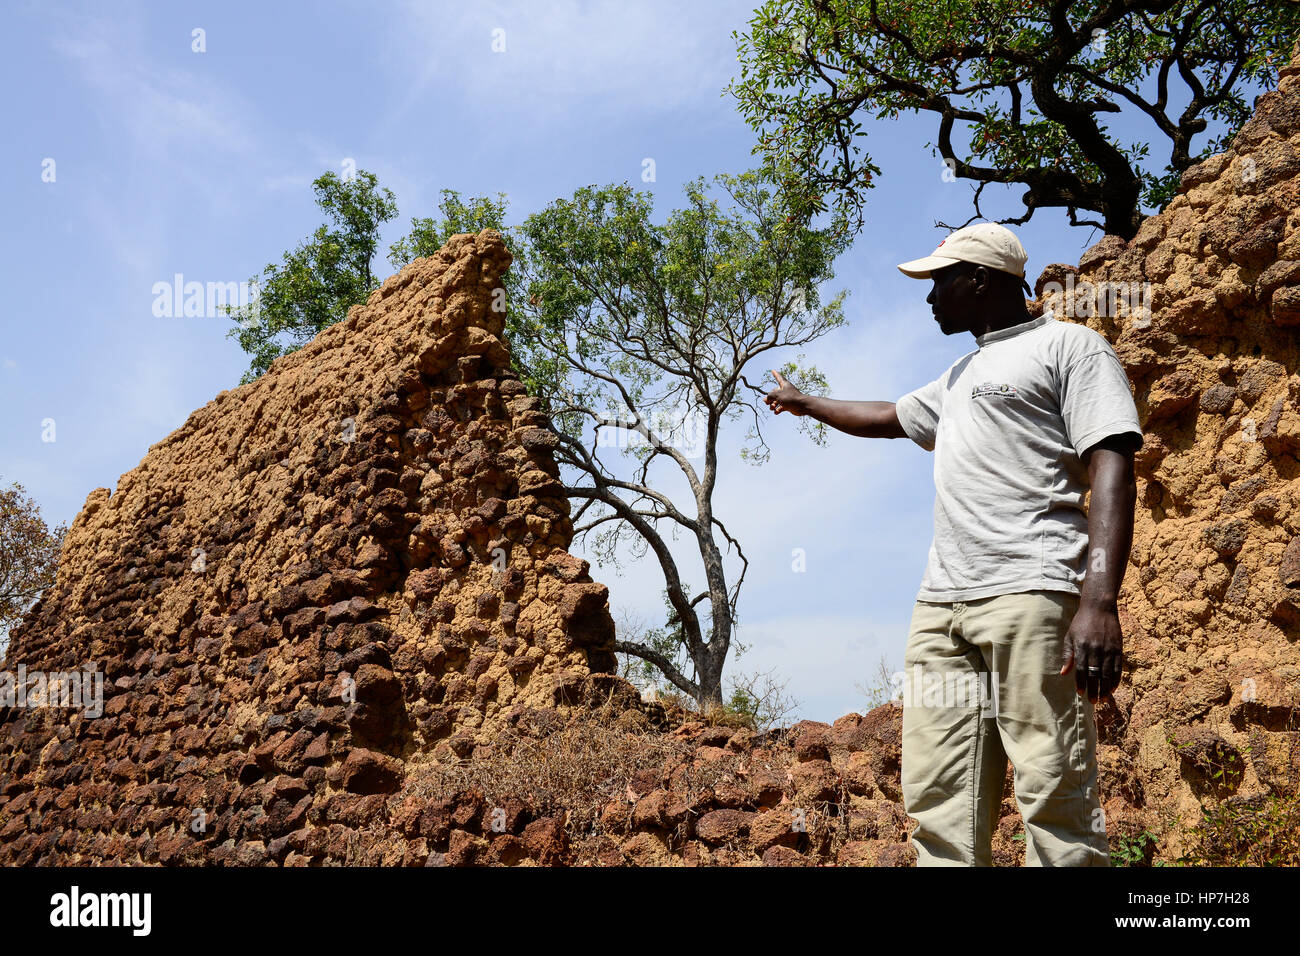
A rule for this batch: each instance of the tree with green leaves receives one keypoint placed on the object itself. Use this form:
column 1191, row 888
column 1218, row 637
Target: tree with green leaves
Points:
column 322, row 278
column 29, row 556
column 1021, row 92
column 637, row 337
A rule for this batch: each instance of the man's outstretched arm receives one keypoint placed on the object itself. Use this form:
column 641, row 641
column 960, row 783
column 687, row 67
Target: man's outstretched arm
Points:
column 863, row 419
column 1094, row 644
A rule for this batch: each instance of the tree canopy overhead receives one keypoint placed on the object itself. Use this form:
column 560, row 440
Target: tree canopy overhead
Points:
column 1021, row 92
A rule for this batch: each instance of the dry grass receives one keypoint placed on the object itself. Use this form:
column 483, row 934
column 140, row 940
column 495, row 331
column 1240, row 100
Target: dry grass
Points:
column 574, row 771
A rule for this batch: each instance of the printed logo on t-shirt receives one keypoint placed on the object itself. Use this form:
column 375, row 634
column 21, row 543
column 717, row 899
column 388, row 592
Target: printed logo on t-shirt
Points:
column 988, row 388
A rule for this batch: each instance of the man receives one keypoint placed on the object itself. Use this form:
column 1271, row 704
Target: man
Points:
column 1020, row 589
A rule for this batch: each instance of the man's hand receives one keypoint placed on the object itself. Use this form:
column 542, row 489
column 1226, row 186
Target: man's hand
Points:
column 785, row 397
column 1094, row 644
column 863, row 419
column 1094, row 647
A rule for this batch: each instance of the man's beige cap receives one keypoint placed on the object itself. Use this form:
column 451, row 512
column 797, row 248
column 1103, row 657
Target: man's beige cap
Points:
column 984, row 243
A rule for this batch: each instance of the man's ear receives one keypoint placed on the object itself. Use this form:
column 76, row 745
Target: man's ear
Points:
column 980, row 279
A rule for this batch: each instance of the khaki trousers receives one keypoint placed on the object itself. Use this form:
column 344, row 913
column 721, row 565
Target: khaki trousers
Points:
column 981, row 686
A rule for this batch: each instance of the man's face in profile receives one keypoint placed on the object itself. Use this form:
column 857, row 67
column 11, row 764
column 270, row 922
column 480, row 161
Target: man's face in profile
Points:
column 952, row 297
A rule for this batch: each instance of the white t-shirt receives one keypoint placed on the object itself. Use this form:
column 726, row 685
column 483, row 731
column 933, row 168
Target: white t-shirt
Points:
column 1008, row 424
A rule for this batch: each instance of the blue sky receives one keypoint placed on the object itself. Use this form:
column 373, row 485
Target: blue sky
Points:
column 172, row 161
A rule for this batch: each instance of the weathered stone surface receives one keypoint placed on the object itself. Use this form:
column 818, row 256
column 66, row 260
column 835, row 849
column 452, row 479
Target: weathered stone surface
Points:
column 355, row 557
